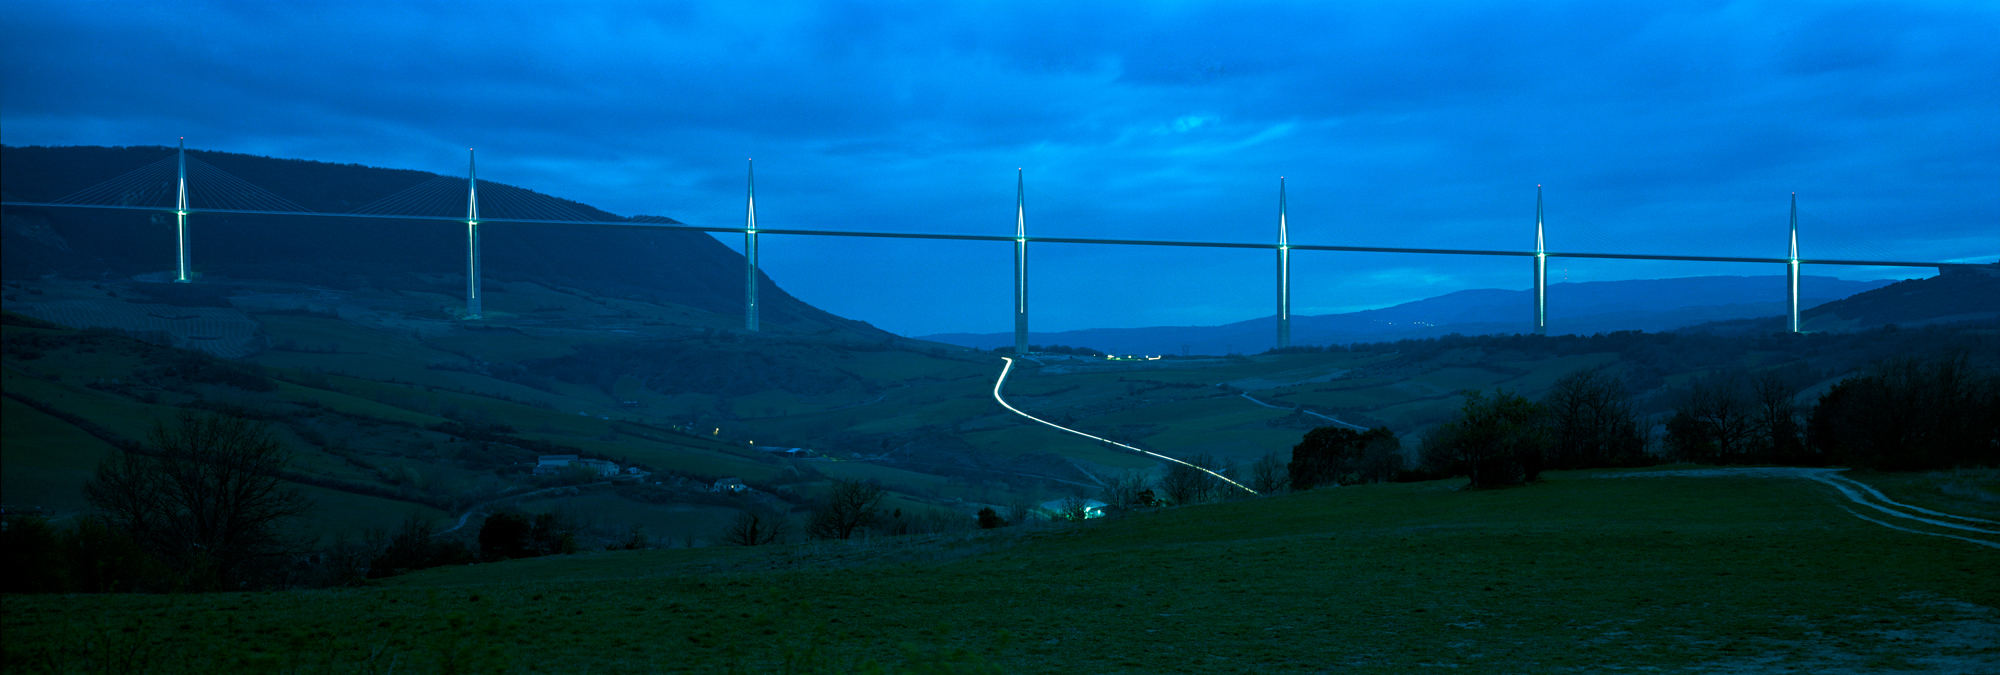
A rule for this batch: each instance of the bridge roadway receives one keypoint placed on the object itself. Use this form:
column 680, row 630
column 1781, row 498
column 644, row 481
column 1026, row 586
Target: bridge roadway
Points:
column 643, row 222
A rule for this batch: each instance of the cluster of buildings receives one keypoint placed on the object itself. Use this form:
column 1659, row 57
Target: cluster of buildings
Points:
column 548, row 465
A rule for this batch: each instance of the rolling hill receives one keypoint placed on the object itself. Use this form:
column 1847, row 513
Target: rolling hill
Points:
column 1574, row 308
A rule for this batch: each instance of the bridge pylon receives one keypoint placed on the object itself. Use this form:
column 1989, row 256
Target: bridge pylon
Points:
column 1020, row 262
column 1792, row 271
column 750, row 316
column 1541, row 271
column 181, row 218
column 472, row 299
column 1284, row 274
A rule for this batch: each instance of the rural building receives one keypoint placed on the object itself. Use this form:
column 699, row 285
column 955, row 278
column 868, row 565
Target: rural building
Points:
column 1091, row 507
column 603, row 468
column 552, row 464
column 729, row 485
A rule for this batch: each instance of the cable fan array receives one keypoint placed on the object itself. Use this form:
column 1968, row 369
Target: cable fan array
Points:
column 208, row 189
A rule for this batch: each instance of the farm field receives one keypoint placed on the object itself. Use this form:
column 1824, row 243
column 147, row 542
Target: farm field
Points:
column 1586, row 571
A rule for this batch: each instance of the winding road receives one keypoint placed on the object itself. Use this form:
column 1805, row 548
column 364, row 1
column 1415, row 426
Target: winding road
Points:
column 997, row 386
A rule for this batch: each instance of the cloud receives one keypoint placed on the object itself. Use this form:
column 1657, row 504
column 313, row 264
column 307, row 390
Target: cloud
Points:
column 1674, row 126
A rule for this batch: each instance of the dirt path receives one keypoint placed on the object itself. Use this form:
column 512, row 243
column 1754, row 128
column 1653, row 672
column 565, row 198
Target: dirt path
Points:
column 462, row 518
column 1355, row 427
column 1985, row 532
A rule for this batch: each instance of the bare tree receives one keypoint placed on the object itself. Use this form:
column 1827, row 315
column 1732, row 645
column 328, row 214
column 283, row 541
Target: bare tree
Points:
column 1123, row 489
column 1591, row 422
column 1269, row 474
column 849, row 506
column 1185, row 484
column 1019, row 511
column 1780, row 426
column 1073, row 509
column 211, row 502
column 1713, row 423
column 753, row 527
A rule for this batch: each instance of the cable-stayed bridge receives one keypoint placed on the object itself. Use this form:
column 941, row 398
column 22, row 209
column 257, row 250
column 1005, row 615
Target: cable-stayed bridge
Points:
column 186, row 186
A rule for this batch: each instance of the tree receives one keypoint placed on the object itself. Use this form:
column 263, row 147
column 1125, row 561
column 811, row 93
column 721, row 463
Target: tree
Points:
column 1186, row 482
column 507, row 535
column 1341, row 456
column 1591, row 422
column 1910, row 414
column 755, row 528
column 1123, row 489
column 211, row 502
column 989, row 519
column 1381, row 457
column 416, row 546
column 1777, row 420
column 1073, row 509
column 849, row 506
column 1714, row 422
column 1269, row 474
column 1496, row 440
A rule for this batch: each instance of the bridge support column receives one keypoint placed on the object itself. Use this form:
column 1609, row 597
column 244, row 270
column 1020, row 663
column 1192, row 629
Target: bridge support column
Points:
column 750, row 316
column 1284, row 274
column 181, row 221
column 1541, row 271
column 1020, row 263
column 1792, row 271
column 472, row 298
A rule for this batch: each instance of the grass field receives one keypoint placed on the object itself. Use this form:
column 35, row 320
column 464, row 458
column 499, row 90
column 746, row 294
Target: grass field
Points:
column 1577, row 573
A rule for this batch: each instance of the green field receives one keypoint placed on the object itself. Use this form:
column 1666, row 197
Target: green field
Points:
column 1578, row 573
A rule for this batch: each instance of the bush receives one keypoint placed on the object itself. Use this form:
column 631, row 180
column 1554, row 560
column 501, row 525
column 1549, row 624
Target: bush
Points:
column 416, row 546
column 507, row 535
column 90, row 557
column 989, row 519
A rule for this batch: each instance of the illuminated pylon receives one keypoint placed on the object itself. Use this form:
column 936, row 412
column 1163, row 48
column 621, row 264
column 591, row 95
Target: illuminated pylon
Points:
column 1792, row 269
column 472, row 309
column 181, row 217
column 1020, row 263
column 1541, row 271
column 750, row 257
column 1284, row 274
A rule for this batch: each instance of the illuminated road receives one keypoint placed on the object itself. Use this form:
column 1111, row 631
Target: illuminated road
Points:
column 1003, row 403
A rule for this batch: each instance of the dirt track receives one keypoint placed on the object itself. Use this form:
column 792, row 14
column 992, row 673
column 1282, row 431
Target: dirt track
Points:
column 1982, row 532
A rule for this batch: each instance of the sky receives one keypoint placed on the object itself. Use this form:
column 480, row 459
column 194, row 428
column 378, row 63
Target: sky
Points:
column 1678, row 128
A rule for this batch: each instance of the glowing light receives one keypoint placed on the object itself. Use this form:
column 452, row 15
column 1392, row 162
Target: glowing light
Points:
column 1003, row 403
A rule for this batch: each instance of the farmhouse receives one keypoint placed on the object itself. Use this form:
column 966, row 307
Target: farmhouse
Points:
column 1091, row 507
column 729, row 485
column 547, row 465
column 552, row 464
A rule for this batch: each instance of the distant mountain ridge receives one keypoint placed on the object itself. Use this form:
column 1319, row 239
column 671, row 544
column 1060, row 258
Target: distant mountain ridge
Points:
column 1581, row 308
column 656, row 264
column 1960, row 293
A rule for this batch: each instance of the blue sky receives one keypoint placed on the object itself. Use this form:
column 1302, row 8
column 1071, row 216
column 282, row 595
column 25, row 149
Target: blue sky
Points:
column 1656, row 128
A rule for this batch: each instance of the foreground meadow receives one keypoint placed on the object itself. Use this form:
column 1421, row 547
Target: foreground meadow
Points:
column 1582, row 572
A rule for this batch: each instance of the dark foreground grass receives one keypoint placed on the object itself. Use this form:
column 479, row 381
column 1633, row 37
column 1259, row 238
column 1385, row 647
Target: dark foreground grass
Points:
column 1577, row 574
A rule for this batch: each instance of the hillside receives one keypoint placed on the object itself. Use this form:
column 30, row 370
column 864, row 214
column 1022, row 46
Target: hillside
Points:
column 1574, row 308
column 1586, row 572
column 656, row 265
column 1961, row 293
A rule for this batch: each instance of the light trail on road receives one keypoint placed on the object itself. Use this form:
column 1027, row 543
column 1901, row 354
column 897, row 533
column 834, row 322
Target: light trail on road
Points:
column 1003, row 403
